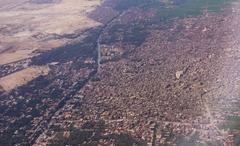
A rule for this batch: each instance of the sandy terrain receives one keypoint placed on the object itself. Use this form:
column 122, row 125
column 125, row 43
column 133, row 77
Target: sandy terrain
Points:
column 26, row 26
column 22, row 77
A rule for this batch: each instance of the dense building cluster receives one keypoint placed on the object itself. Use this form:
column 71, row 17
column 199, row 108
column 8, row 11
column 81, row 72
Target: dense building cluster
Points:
column 154, row 81
column 171, row 80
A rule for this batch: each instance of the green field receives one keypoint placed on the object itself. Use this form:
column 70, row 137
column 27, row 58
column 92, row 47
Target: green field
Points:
column 191, row 8
column 233, row 123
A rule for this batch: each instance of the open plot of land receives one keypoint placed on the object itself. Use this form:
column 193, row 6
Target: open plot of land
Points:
column 22, row 77
column 31, row 25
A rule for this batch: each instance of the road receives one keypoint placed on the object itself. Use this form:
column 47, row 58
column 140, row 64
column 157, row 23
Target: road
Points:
column 43, row 126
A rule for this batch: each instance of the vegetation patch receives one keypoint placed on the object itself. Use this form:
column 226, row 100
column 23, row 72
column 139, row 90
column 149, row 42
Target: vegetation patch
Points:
column 233, row 123
column 189, row 8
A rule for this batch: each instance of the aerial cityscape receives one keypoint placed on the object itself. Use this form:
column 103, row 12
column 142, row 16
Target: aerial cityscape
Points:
column 119, row 73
